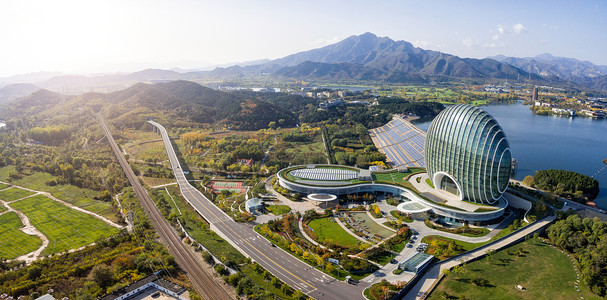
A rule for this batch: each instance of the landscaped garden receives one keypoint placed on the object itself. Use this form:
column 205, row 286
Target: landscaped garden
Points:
column 65, row 228
column 443, row 248
column 399, row 215
column 395, row 176
column 329, row 232
column 364, row 222
column 278, row 209
column 543, row 271
column 463, row 230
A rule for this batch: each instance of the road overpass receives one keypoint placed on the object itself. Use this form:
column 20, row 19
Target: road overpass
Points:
column 206, row 286
column 281, row 264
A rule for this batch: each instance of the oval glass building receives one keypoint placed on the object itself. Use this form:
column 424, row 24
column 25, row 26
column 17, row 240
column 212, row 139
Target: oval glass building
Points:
column 467, row 154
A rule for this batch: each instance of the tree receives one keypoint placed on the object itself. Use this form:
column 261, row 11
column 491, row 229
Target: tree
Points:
column 34, row 272
column 528, row 181
column 330, row 268
column 103, row 275
column 297, row 294
column 274, row 281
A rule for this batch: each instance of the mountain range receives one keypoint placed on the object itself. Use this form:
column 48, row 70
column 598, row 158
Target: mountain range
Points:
column 358, row 58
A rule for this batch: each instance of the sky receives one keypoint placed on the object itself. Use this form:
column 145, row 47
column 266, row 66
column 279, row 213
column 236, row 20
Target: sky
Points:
column 90, row 36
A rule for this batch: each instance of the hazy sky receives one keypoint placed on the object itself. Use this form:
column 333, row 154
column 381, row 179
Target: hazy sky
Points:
column 128, row 35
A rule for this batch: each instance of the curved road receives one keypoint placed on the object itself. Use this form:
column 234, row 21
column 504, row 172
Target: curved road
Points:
column 287, row 268
column 202, row 281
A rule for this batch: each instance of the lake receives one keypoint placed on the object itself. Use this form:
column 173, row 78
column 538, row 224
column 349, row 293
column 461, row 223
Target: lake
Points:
column 551, row 142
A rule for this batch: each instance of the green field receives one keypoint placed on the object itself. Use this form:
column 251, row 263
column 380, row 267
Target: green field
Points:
column 152, row 181
column 2, row 208
column 3, row 186
column 278, row 209
column 65, row 228
column 545, row 272
column 74, row 195
column 14, row 194
column 326, row 229
column 14, row 241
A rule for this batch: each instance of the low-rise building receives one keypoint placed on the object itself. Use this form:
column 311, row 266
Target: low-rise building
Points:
column 254, row 205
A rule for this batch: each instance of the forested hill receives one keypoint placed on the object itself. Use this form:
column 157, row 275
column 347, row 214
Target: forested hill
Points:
column 177, row 102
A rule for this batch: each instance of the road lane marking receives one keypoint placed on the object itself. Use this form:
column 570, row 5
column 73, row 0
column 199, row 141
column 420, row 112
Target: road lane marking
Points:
column 253, row 247
column 189, row 186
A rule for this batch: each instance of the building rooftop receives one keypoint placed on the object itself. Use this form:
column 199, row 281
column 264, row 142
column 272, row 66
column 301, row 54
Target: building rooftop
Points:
column 413, row 262
column 142, row 282
column 401, row 141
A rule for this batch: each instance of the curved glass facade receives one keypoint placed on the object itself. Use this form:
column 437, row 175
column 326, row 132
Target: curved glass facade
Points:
column 469, row 146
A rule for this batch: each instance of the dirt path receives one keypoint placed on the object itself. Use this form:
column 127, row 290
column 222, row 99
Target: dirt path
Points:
column 29, row 229
column 50, row 196
column 102, row 218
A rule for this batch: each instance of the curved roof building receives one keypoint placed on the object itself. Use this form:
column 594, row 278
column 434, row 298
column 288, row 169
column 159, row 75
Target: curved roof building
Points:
column 467, row 154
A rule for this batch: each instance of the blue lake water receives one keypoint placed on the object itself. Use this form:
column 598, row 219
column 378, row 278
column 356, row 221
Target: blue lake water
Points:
column 550, row 142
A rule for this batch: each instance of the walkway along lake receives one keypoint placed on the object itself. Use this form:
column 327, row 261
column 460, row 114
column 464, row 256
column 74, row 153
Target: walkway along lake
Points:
column 549, row 142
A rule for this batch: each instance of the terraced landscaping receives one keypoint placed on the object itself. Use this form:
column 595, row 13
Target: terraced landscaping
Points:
column 65, row 228
column 364, row 221
column 14, row 241
column 14, row 194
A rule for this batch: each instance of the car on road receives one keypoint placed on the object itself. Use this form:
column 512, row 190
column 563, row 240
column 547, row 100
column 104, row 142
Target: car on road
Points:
column 393, row 261
column 409, row 246
column 272, row 245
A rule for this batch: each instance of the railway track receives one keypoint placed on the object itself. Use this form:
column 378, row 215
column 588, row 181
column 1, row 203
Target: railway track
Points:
column 206, row 286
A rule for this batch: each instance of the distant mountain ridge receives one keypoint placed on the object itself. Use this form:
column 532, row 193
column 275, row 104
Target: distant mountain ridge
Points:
column 358, row 58
column 13, row 91
column 548, row 65
column 363, row 56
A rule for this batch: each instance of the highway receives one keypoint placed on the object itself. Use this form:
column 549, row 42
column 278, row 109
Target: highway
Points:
column 206, row 286
column 281, row 264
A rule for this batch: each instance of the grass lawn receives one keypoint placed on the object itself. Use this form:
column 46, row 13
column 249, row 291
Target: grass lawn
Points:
column 3, row 186
column 278, row 209
column 544, row 271
column 152, row 181
column 149, row 150
column 74, row 195
column 327, row 229
column 14, row 194
column 65, row 228
column 2, row 208
column 316, row 148
column 14, row 241
column 395, row 176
